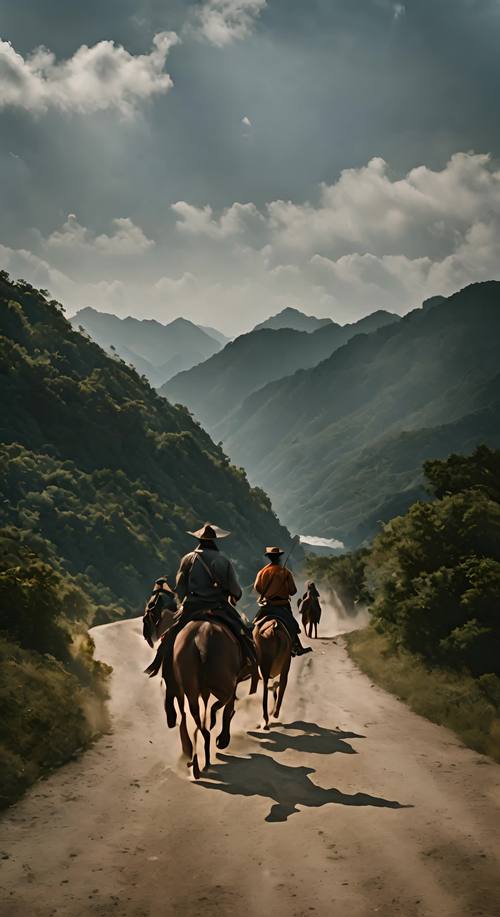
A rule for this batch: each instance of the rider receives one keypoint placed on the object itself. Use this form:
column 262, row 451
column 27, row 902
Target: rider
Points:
column 206, row 577
column 206, row 580
column 158, row 611
column 275, row 585
column 311, row 592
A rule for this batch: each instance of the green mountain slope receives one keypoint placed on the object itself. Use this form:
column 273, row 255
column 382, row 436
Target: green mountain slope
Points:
column 155, row 350
column 99, row 479
column 101, row 474
column 340, row 446
column 214, row 390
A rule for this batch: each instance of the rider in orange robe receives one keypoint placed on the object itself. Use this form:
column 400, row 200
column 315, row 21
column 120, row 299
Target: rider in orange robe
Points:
column 275, row 586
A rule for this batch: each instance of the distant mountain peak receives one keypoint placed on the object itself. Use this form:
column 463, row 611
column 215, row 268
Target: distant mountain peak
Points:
column 157, row 350
column 293, row 318
column 181, row 322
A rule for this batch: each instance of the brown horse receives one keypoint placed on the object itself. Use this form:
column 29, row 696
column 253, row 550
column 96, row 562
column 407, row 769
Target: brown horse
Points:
column 310, row 610
column 207, row 659
column 274, row 654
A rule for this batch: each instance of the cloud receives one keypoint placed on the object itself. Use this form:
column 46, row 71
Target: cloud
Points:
column 368, row 211
column 127, row 238
column 102, row 77
column 234, row 221
column 170, row 287
column 398, row 10
column 371, row 240
column 22, row 263
column 246, row 121
column 221, row 22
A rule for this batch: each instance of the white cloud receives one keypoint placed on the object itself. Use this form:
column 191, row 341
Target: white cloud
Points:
column 104, row 76
column 22, row 263
column 221, row 22
column 367, row 211
column 200, row 221
column 246, row 121
column 127, row 238
column 169, row 287
column 398, row 10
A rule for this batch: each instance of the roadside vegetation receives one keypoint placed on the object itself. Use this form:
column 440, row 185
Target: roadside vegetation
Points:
column 432, row 579
column 52, row 691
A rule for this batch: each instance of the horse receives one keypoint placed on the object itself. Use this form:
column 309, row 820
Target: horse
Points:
column 274, row 655
column 207, row 659
column 310, row 610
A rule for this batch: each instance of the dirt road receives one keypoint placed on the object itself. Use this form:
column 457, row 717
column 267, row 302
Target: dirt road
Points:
column 352, row 806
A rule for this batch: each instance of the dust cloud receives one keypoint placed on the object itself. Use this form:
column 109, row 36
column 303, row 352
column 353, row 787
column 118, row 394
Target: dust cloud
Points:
column 336, row 618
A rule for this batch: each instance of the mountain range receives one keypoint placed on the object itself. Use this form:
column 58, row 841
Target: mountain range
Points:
column 339, row 446
column 214, row 390
column 155, row 350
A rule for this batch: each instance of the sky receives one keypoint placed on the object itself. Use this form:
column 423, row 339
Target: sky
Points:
column 224, row 159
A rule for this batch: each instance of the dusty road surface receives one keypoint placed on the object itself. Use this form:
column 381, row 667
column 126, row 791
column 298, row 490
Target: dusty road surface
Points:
column 351, row 806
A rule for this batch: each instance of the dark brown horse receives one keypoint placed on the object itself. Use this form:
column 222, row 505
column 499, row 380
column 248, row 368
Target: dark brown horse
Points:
column 310, row 610
column 207, row 660
column 274, row 654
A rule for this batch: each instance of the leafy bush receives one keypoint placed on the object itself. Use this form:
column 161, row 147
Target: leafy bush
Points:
column 437, row 569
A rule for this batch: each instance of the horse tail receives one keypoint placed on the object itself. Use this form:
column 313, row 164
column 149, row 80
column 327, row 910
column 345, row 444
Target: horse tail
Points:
column 157, row 662
column 201, row 646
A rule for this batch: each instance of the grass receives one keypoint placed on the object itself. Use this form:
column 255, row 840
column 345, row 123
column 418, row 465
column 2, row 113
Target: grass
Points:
column 469, row 706
column 47, row 715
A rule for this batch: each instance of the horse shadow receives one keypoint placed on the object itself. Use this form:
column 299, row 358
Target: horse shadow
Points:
column 314, row 739
column 287, row 787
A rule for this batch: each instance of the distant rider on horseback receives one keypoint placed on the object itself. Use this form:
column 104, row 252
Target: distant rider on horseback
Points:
column 275, row 586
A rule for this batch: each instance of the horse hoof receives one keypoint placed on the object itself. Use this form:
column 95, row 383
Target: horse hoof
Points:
column 196, row 768
column 222, row 741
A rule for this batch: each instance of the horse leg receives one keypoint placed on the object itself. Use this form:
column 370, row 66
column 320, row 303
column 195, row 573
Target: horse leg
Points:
column 187, row 745
column 194, row 707
column 275, row 696
column 224, row 738
column 214, row 711
column 206, row 733
column 264, row 702
column 281, row 692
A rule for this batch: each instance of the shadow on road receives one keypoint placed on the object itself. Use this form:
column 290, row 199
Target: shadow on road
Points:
column 314, row 740
column 287, row 787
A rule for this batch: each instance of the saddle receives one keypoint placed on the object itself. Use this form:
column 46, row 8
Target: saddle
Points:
column 274, row 616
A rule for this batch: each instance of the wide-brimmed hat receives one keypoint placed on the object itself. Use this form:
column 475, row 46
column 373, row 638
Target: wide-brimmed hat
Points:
column 209, row 532
column 273, row 552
